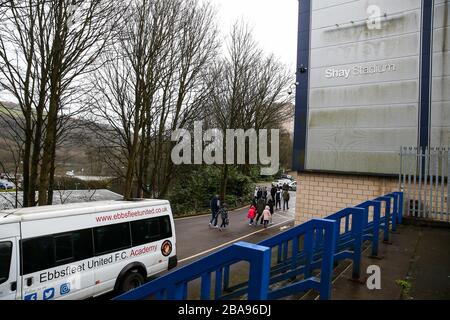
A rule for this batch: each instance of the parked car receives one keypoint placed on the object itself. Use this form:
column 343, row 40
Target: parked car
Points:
column 6, row 185
column 293, row 186
column 70, row 173
column 287, row 177
column 281, row 182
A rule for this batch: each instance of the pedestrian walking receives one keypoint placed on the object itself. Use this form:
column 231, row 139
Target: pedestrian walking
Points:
column 251, row 215
column 278, row 199
column 223, row 212
column 259, row 194
column 215, row 206
column 273, row 193
column 260, row 206
column 271, row 203
column 267, row 216
column 286, row 198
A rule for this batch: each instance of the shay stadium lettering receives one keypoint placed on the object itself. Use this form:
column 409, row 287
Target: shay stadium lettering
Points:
column 360, row 70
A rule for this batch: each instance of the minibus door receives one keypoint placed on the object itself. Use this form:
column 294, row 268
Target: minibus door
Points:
column 10, row 288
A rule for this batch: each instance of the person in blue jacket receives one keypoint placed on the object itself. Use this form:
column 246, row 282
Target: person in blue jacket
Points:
column 215, row 206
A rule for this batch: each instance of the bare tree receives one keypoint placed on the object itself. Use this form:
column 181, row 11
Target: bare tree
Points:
column 46, row 48
column 195, row 50
column 151, row 85
column 248, row 89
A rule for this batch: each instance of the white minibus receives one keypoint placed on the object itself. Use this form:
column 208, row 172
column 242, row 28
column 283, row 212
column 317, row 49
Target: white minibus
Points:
column 79, row 251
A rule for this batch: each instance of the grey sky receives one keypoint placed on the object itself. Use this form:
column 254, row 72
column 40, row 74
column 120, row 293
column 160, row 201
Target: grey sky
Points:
column 274, row 24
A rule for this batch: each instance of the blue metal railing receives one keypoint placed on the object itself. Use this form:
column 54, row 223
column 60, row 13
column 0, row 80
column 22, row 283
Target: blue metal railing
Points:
column 173, row 286
column 301, row 260
column 293, row 263
column 307, row 252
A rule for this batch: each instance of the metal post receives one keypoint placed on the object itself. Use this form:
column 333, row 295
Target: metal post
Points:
column 442, row 183
column 258, row 288
column 326, row 276
column 427, row 174
column 400, row 179
column 409, row 182
column 448, row 185
column 376, row 230
column 415, row 184
column 219, row 283
column 206, row 287
column 431, row 183
column 404, row 190
column 436, row 171
column 226, row 277
column 419, row 204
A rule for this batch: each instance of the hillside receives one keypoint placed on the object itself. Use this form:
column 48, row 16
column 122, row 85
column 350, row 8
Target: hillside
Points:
column 75, row 153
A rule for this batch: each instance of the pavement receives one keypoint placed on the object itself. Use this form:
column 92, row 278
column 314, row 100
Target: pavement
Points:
column 418, row 256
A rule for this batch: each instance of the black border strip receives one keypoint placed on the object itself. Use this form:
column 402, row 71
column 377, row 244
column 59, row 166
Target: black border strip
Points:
column 302, row 88
column 426, row 73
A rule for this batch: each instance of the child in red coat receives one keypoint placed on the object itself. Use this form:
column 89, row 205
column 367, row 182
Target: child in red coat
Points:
column 251, row 215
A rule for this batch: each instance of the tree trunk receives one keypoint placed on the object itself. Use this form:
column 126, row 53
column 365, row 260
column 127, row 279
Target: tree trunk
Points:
column 26, row 170
column 35, row 156
column 140, row 184
column 223, row 183
column 52, row 117
column 128, row 187
column 51, row 185
column 48, row 157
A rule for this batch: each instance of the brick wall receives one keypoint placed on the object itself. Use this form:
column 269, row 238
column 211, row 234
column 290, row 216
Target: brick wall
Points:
column 320, row 195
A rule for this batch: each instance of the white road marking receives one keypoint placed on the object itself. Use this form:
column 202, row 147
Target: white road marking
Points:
column 233, row 241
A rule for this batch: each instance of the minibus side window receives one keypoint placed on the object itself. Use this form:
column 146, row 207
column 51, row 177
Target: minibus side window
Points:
column 112, row 238
column 145, row 231
column 38, row 254
column 74, row 246
column 64, row 249
column 166, row 227
column 5, row 260
column 82, row 245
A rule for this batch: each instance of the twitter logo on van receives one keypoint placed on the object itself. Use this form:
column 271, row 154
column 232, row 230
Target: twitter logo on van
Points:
column 49, row 294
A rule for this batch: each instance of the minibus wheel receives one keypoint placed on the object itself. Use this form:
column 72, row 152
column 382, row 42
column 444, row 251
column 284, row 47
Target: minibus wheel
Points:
column 131, row 281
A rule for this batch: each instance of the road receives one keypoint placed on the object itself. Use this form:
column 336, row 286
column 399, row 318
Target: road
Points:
column 195, row 239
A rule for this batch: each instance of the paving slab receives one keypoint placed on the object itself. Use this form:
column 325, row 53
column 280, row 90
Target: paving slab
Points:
column 419, row 256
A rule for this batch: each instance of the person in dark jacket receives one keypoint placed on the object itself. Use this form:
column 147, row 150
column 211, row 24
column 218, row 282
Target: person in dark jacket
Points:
column 273, row 193
column 278, row 199
column 260, row 206
column 259, row 194
column 215, row 206
column 270, row 204
column 286, row 198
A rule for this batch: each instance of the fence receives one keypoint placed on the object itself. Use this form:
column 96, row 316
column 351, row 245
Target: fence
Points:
column 295, row 261
column 424, row 179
